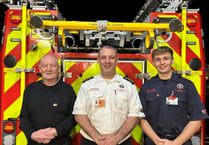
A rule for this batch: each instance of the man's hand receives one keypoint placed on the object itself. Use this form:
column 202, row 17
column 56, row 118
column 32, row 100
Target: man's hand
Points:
column 51, row 132
column 110, row 139
column 100, row 140
column 43, row 135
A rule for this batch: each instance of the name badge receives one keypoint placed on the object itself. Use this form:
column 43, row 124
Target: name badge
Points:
column 99, row 103
column 172, row 99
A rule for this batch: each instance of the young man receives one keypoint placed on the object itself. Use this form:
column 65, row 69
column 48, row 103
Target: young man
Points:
column 108, row 106
column 172, row 105
column 46, row 115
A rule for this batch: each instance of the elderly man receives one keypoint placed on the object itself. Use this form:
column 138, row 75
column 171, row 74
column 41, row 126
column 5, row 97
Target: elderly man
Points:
column 46, row 115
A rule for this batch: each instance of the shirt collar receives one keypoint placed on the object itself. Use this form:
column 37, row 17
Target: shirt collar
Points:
column 116, row 78
column 174, row 77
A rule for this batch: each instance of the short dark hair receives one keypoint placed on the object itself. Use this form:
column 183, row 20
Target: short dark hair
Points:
column 162, row 50
column 109, row 47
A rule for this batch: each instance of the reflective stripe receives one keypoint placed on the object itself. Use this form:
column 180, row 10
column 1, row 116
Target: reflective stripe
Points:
column 21, row 139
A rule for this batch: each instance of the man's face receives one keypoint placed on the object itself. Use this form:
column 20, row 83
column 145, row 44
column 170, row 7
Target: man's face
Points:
column 163, row 63
column 107, row 60
column 49, row 68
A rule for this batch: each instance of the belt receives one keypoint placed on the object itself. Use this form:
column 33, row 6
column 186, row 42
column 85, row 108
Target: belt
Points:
column 167, row 136
column 85, row 141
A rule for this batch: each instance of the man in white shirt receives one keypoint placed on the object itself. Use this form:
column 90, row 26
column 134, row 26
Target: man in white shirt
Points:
column 108, row 106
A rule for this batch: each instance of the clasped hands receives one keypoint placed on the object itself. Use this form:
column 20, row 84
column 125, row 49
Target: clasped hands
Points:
column 108, row 139
column 44, row 135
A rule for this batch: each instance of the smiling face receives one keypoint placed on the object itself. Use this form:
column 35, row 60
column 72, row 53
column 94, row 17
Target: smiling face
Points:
column 49, row 68
column 107, row 59
column 163, row 63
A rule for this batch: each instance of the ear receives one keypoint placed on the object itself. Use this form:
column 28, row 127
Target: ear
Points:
column 173, row 61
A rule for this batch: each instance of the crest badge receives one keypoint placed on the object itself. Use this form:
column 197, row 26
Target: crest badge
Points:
column 180, row 86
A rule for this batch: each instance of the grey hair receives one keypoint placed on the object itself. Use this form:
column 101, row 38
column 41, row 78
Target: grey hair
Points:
column 49, row 55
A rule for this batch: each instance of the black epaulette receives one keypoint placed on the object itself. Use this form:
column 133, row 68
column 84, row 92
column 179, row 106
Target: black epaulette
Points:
column 88, row 79
column 126, row 78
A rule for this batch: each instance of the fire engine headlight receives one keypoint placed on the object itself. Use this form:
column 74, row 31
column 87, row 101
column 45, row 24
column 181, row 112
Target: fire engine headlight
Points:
column 36, row 21
column 175, row 25
column 9, row 140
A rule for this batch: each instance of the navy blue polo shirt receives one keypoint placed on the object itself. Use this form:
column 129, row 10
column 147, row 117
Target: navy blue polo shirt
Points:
column 169, row 105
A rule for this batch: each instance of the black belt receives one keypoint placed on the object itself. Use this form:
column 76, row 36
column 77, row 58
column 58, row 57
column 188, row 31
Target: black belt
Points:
column 85, row 141
column 167, row 136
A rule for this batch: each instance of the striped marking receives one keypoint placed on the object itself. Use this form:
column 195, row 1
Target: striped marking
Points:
column 21, row 139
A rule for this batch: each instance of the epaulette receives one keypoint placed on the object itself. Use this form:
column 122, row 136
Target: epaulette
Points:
column 88, row 79
column 126, row 78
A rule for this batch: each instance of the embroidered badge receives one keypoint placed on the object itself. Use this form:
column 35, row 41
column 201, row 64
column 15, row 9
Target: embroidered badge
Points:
column 121, row 86
column 204, row 112
column 180, row 86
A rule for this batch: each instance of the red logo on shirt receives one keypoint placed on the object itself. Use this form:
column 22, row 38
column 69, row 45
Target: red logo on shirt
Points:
column 151, row 90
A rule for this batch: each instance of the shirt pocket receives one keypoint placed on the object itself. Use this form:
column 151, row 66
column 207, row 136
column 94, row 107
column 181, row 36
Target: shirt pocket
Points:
column 96, row 110
column 180, row 110
column 183, row 103
column 122, row 101
column 154, row 102
column 95, row 102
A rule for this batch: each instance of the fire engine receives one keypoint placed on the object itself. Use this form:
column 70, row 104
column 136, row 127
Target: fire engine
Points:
column 34, row 28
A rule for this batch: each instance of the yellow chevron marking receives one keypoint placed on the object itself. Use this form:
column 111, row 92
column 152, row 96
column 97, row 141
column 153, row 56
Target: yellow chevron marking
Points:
column 118, row 71
column 13, row 110
column 91, row 71
column 32, row 58
column 137, row 134
column 197, row 82
column 21, row 139
column 192, row 38
column 11, row 78
column 11, row 45
column 139, row 66
column 75, row 130
column 151, row 69
column 68, row 65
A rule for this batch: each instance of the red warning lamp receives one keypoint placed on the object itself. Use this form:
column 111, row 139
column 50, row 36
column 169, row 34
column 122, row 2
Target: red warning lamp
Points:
column 15, row 17
column 191, row 21
column 9, row 127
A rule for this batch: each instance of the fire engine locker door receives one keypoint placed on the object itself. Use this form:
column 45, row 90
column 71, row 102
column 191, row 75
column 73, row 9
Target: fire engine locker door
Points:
column 75, row 71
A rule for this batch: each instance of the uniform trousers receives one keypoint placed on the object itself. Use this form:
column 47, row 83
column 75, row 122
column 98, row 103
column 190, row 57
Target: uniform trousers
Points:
column 85, row 141
column 148, row 141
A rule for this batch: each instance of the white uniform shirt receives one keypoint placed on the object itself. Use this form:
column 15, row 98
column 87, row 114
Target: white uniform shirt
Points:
column 107, row 104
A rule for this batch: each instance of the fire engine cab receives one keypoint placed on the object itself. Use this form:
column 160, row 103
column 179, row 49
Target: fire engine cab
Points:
column 34, row 28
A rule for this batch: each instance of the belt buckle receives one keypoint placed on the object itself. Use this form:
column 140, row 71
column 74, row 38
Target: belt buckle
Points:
column 170, row 137
column 167, row 136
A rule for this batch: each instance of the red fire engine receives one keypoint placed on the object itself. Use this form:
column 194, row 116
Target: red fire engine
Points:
column 35, row 28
